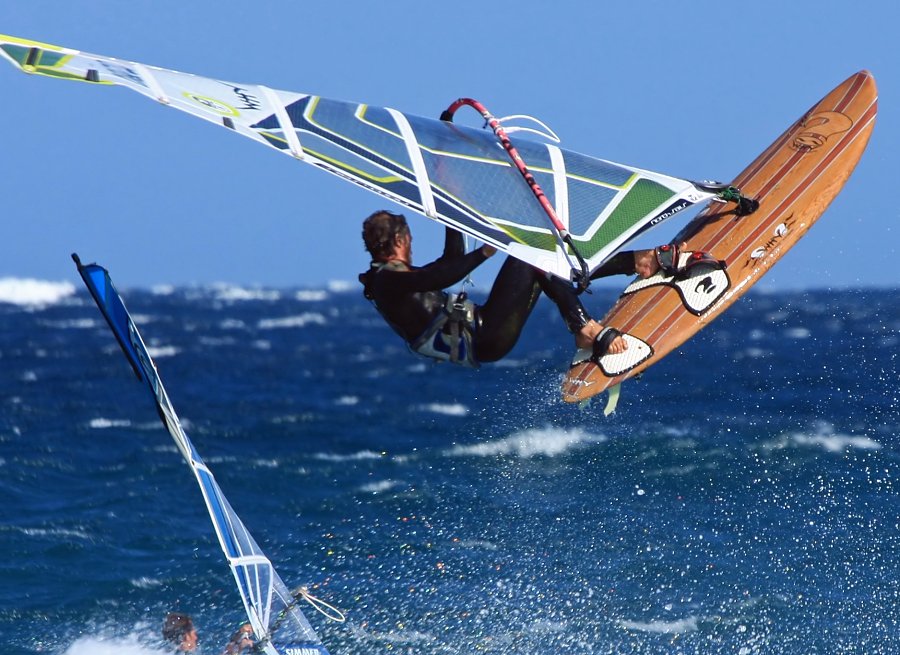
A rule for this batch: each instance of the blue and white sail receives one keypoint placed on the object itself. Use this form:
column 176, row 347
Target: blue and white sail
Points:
column 279, row 625
column 457, row 175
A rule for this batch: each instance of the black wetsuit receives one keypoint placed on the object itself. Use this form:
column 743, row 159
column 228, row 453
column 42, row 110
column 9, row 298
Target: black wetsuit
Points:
column 410, row 298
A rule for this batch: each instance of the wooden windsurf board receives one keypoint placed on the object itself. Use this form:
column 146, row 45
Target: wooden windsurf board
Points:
column 794, row 180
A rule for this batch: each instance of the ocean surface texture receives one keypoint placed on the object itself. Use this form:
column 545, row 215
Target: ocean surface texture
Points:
column 743, row 499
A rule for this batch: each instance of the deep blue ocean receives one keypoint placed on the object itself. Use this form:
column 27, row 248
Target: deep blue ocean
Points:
column 744, row 499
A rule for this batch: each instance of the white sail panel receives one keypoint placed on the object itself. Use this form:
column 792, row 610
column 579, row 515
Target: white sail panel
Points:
column 455, row 174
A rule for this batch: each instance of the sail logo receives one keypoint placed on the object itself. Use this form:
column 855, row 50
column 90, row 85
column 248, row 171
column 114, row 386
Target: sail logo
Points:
column 817, row 128
column 250, row 101
column 215, row 106
column 669, row 213
column 303, row 650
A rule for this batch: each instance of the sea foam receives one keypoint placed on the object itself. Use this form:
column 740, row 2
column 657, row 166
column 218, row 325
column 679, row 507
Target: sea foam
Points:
column 29, row 292
column 546, row 442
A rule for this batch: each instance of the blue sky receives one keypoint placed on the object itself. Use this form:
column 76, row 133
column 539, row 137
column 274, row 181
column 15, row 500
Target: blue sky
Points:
column 694, row 89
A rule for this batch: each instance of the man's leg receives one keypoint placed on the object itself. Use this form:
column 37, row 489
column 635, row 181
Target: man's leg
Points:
column 509, row 304
column 511, row 301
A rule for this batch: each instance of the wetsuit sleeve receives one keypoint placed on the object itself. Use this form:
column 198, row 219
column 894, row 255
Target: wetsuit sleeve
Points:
column 454, row 246
column 447, row 270
column 622, row 263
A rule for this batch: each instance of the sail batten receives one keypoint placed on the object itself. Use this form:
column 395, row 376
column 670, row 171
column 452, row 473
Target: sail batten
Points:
column 455, row 174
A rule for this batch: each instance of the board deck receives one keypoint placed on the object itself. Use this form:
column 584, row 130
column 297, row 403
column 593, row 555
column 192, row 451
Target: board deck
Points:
column 794, row 180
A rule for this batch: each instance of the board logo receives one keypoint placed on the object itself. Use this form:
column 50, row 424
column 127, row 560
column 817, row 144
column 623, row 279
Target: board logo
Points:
column 778, row 234
column 706, row 285
column 816, row 128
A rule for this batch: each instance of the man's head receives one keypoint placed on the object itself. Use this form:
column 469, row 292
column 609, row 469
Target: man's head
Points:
column 178, row 629
column 383, row 232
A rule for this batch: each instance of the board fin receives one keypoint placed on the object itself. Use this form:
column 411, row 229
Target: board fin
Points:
column 613, row 400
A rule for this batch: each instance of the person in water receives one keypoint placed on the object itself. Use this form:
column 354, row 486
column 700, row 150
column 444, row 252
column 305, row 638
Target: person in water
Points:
column 179, row 631
column 449, row 327
column 241, row 641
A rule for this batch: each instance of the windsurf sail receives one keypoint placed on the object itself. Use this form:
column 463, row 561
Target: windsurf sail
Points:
column 279, row 625
column 458, row 175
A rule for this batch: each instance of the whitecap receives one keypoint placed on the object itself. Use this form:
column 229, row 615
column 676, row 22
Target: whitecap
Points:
column 55, row 532
column 113, row 645
column 341, row 286
column 146, row 583
column 823, row 436
column 311, row 295
column 380, row 486
column 30, row 292
column 688, row 624
column 301, row 320
column 836, row 443
column 547, row 442
column 447, row 409
column 103, row 423
column 162, row 351
column 798, row 333
column 347, row 401
column 76, row 323
column 240, row 294
column 363, row 454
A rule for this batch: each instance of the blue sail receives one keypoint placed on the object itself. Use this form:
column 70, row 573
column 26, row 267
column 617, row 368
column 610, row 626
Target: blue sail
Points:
column 278, row 623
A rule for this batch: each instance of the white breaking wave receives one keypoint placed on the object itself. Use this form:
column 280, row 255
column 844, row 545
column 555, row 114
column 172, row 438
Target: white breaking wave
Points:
column 824, row 437
column 162, row 351
column 311, row 295
column 835, row 443
column 291, row 321
column 30, row 292
column 341, row 286
column 112, row 645
column 102, row 423
column 663, row 627
column 240, row 294
column 547, row 442
column 447, row 409
column 380, row 487
column 146, row 583
column 54, row 532
column 75, row 323
column 363, row 454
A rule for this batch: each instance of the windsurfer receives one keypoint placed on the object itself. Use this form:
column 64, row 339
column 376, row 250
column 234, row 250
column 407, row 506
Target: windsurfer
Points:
column 450, row 327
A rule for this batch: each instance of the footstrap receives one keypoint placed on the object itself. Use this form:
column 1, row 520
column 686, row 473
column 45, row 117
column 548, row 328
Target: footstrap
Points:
column 667, row 258
column 603, row 341
column 672, row 264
